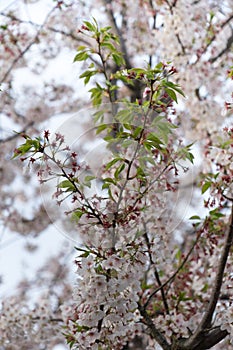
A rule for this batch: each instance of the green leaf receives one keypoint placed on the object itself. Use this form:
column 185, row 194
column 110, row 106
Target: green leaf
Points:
column 159, row 65
column 96, row 94
column 87, row 75
column 4, row 26
column 165, row 129
column 127, row 143
column 21, row 150
column 174, row 87
column 206, row 186
column 107, row 182
column 215, row 214
column 91, row 26
column 30, row 145
column 140, row 173
column 178, row 254
column 108, row 45
column 119, row 170
column 68, row 185
column 118, row 59
column 81, row 56
column 124, row 116
column 112, row 162
column 195, row 217
column 186, row 154
column 154, row 140
column 101, row 128
column 190, row 157
column 82, row 48
column 137, row 132
column 105, row 29
column 172, row 94
column 76, row 216
column 88, row 179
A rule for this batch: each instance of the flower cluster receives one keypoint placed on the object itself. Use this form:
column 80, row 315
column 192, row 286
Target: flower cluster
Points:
column 106, row 298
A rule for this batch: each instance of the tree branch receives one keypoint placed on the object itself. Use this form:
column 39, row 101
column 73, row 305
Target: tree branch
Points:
column 22, row 53
column 173, row 276
column 227, row 48
column 119, row 33
column 205, row 341
column 211, row 338
column 13, row 136
column 205, row 323
column 159, row 337
column 165, row 303
column 213, row 38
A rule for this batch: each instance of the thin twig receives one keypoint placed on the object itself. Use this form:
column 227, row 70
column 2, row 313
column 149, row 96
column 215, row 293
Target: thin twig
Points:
column 165, row 303
column 15, row 135
column 173, row 276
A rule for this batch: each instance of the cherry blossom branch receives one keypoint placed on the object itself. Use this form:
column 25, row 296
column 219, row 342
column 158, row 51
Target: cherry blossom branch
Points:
column 70, row 34
column 208, row 339
column 226, row 49
column 76, row 189
column 22, row 53
column 171, row 6
column 213, row 38
column 211, row 338
column 154, row 331
column 181, row 44
column 15, row 61
column 36, row 25
column 173, row 276
column 205, row 323
column 165, row 303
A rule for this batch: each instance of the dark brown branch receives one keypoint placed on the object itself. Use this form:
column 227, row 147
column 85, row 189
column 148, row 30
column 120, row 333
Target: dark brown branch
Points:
column 119, row 33
column 225, row 50
column 153, row 27
column 208, row 315
column 155, row 333
column 156, row 272
column 211, row 338
column 173, row 276
column 206, row 321
column 204, row 341
column 214, row 37
column 181, row 44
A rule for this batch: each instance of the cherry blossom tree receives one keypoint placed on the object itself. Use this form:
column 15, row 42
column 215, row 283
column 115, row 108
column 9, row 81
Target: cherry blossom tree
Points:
column 147, row 276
